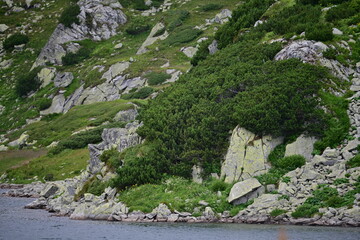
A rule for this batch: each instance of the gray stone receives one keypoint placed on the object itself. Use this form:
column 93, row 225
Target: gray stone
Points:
column 57, row 105
column 240, row 191
column 213, row 47
column 46, row 75
column 151, row 39
column 351, row 145
column 209, row 213
column 118, row 46
column 196, row 174
column 126, row 115
column 336, row 31
column 162, row 211
column 173, row 218
column 63, row 79
column 115, row 70
column 21, row 141
column 3, row 28
column 49, row 190
column 303, row 146
column 247, row 155
column 189, row 51
column 3, row 148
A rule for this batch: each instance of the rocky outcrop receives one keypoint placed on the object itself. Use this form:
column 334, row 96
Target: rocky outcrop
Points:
column 32, row 190
column 46, row 75
column 63, row 79
column 126, row 115
column 303, row 146
column 189, row 51
column 98, row 21
column 311, row 52
column 247, row 155
column 152, row 38
column 244, row 191
column 20, row 142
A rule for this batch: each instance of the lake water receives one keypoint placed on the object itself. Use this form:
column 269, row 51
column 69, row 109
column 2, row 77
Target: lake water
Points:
column 19, row 223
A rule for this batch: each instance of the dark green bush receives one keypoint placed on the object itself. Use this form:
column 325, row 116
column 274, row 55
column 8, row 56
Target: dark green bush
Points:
column 202, row 53
column 353, row 162
column 319, row 32
column 211, row 7
column 344, row 10
column 138, row 25
column 291, row 162
column 272, row 177
column 218, row 185
column 27, row 82
column 43, row 103
column 140, row 94
column 111, row 158
column 305, row 211
column 276, row 212
column 97, row 187
column 160, row 32
column 175, row 18
column 69, row 15
column 155, row 78
column 13, row 40
column 339, row 181
column 330, row 53
column 51, row 117
column 183, row 36
column 74, row 58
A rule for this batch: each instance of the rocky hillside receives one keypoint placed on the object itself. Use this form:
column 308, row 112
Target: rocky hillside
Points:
column 235, row 111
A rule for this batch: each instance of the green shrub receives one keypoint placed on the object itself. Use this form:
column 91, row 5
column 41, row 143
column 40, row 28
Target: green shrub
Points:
column 183, row 36
column 155, row 78
column 353, row 162
column 330, row 53
column 276, row 154
column 319, row 32
column 97, row 187
column 15, row 39
column 140, row 94
column 218, row 185
column 202, row 53
column 339, row 181
column 211, row 7
column 138, row 25
column 291, row 162
column 43, row 103
column 160, row 32
column 111, row 158
column 69, row 15
column 272, row 177
column 344, row 10
column 27, row 82
column 305, row 211
column 175, row 18
column 276, row 212
column 74, row 58
column 50, row 117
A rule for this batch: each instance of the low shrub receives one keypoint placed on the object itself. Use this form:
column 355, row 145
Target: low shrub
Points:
column 15, row 39
column 69, row 15
column 176, row 18
column 276, row 212
column 291, row 162
column 155, row 78
column 341, row 11
column 43, row 103
column 353, row 162
column 202, row 53
column 183, row 36
column 330, row 53
column 319, row 32
column 111, row 158
column 138, row 25
column 339, row 181
column 218, row 185
column 305, row 211
column 74, row 58
column 27, row 82
column 211, row 7
column 140, row 94
column 272, row 177
column 97, row 187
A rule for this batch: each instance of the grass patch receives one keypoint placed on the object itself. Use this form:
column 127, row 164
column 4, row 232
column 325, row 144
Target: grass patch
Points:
column 64, row 165
column 155, row 78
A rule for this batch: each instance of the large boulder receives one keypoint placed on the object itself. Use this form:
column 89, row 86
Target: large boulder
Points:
column 126, row 115
column 303, row 146
column 152, row 38
column 63, row 79
column 244, row 191
column 46, row 75
column 57, row 105
column 247, row 155
column 21, row 141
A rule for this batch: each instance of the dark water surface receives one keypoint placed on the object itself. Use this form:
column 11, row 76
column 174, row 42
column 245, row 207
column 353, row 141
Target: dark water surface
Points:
column 19, row 223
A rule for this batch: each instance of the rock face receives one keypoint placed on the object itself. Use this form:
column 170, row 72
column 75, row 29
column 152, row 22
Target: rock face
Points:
column 247, row 155
column 63, row 79
column 311, row 52
column 98, row 21
column 244, row 191
column 21, row 141
column 303, row 146
column 118, row 138
column 46, row 75
column 126, row 115
column 152, row 38
column 189, row 51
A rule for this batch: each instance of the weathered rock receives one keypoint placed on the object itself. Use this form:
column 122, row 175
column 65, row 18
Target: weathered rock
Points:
column 3, row 28
column 49, row 190
column 196, row 174
column 115, row 70
column 151, row 39
column 21, row 141
column 303, row 146
column 243, row 191
column 63, row 79
column 3, row 148
column 126, row 115
column 46, row 75
column 213, row 47
column 104, row 16
column 57, row 105
column 247, row 155
column 162, row 211
column 189, row 51
column 336, row 31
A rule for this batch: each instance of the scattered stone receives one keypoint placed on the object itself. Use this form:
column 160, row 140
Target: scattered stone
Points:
column 3, row 28
column 46, row 75
column 213, row 47
column 189, row 51
column 244, row 191
column 118, row 46
column 151, row 39
column 21, row 141
column 336, row 31
column 63, row 79
column 196, row 174
column 303, row 146
column 126, row 115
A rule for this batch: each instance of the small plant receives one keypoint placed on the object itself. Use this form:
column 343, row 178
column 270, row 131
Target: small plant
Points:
column 319, row 32
column 27, row 82
column 210, row 7
column 74, row 58
column 276, row 212
column 286, row 197
column 155, row 78
column 218, row 185
column 141, row 94
column 353, row 162
column 13, row 40
column 43, row 103
column 183, row 36
column 339, row 181
column 138, row 25
column 330, row 53
column 111, row 158
column 291, row 162
column 286, row 179
column 305, row 210
column 69, row 15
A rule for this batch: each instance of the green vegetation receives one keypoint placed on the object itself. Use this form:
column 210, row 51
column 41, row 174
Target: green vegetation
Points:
column 15, row 39
column 276, row 212
column 176, row 18
column 111, row 158
column 210, row 7
column 178, row 194
column 69, row 15
column 64, row 165
column 183, row 35
column 27, row 82
column 140, row 94
column 74, row 58
column 353, row 162
column 290, row 163
column 155, row 78
column 138, row 25
column 320, row 32
column 339, row 181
